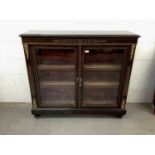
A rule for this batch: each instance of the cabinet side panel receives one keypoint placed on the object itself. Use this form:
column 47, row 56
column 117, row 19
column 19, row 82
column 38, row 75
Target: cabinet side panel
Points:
column 128, row 74
column 30, row 74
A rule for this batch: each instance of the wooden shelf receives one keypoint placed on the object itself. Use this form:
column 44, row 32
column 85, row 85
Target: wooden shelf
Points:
column 86, row 83
column 57, row 83
column 59, row 103
column 56, row 67
column 96, row 83
column 99, row 103
column 102, row 67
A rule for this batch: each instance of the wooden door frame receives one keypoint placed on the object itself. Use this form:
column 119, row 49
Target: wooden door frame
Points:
column 33, row 49
column 123, row 72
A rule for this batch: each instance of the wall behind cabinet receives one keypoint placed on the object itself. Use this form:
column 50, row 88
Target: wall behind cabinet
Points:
column 14, row 85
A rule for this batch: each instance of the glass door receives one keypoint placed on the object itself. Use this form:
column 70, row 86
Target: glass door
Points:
column 101, row 73
column 57, row 71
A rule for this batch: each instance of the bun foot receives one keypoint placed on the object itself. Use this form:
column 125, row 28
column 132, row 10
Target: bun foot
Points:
column 36, row 116
column 119, row 116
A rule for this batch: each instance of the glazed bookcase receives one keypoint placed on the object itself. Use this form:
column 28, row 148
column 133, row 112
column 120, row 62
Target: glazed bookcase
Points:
column 79, row 72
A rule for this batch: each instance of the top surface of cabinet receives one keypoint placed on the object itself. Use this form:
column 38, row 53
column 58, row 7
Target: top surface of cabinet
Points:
column 79, row 33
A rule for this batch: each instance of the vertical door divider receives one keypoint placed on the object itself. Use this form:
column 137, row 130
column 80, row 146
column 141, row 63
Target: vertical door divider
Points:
column 79, row 76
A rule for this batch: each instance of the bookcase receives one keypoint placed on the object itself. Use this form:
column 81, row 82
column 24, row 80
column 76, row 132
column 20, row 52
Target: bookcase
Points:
column 79, row 72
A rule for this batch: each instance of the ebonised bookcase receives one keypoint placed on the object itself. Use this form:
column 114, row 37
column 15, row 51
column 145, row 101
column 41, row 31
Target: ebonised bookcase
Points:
column 79, row 72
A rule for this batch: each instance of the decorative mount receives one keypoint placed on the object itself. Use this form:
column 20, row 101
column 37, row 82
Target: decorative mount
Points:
column 132, row 52
column 26, row 51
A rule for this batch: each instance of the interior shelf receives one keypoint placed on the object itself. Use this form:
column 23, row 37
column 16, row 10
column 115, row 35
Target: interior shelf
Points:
column 56, row 67
column 103, row 66
column 58, row 103
column 99, row 103
column 57, row 83
column 96, row 83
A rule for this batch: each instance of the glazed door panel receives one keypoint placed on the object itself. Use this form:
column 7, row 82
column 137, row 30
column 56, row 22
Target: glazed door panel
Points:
column 101, row 75
column 56, row 69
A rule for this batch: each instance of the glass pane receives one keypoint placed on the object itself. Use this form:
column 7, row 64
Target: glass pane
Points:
column 99, row 96
column 56, row 75
column 58, row 96
column 100, row 75
column 103, row 56
column 56, row 72
column 56, row 56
